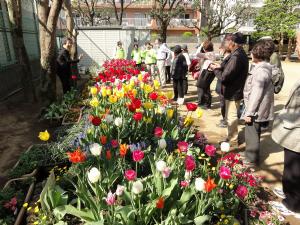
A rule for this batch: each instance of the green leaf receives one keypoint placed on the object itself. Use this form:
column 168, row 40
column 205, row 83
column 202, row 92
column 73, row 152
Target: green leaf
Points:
column 61, row 211
column 167, row 192
column 186, row 195
column 201, row 219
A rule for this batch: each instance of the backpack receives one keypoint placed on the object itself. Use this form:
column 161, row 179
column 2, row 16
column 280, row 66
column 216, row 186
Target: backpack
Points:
column 277, row 79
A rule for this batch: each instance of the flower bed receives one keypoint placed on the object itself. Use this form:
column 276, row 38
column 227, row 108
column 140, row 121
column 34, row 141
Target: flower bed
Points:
column 140, row 162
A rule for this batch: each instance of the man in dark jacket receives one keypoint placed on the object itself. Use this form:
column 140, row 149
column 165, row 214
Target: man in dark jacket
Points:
column 178, row 72
column 63, row 64
column 233, row 76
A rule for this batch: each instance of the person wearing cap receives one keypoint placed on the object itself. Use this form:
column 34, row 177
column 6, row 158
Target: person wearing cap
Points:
column 185, row 53
column 178, row 71
column 136, row 55
column 119, row 52
column 162, row 54
column 233, row 75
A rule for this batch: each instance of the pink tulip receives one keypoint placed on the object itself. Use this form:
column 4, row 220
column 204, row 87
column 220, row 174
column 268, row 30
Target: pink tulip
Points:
column 225, row 173
column 210, row 150
column 110, row 199
column 166, row 172
column 137, row 155
column 241, row 191
column 130, row 175
column 182, row 146
column 184, row 183
column 114, row 143
column 190, row 163
column 158, row 132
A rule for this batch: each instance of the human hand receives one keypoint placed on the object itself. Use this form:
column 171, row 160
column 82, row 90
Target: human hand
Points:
column 248, row 119
column 214, row 66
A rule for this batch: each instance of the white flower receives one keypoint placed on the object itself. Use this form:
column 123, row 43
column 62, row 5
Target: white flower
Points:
column 225, row 147
column 118, row 121
column 94, row 175
column 199, row 184
column 166, row 172
column 161, row 165
column 188, row 175
column 137, row 187
column 120, row 190
column 162, row 143
column 109, row 118
column 95, row 149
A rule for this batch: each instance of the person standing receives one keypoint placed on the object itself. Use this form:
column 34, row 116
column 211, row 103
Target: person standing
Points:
column 233, row 75
column 185, row 53
column 168, row 64
column 178, row 71
column 63, row 64
column 286, row 132
column 136, row 55
column 150, row 58
column 259, row 100
column 162, row 54
column 119, row 52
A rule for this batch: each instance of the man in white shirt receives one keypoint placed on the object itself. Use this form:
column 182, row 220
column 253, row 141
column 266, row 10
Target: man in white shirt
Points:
column 185, row 53
column 162, row 54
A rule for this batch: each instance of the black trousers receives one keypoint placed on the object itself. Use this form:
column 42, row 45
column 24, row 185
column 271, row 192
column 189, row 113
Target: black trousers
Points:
column 204, row 97
column 168, row 74
column 178, row 86
column 186, row 85
column 252, row 139
column 291, row 180
column 222, row 105
column 65, row 80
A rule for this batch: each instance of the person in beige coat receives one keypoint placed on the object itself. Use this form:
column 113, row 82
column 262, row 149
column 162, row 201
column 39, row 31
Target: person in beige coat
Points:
column 286, row 132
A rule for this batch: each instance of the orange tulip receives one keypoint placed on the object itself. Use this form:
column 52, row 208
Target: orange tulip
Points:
column 103, row 140
column 160, row 203
column 209, row 185
column 123, row 150
column 77, row 156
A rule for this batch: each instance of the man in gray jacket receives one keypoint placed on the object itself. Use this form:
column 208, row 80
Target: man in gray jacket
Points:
column 286, row 132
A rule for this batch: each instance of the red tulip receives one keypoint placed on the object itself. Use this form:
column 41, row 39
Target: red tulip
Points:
column 241, row 191
column 130, row 175
column 153, row 96
column 158, row 132
column 191, row 106
column 182, row 146
column 210, row 150
column 160, row 203
column 96, row 121
column 137, row 155
column 138, row 116
column 108, row 155
column 114, row 143
column 190, row 163
column 225, row 173
column 77, row 156
column 103, row 140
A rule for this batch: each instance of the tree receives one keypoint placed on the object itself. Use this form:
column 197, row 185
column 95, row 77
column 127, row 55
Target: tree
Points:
column 15, row 17
column 278, row 18
column 119, row 8
column 89, row 13
column 71, row 32
column 48, row 13
column 220, row 16
column 163, row 11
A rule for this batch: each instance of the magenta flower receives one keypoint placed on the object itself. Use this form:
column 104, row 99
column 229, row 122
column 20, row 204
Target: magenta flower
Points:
column 114, row 143
column 130, row 175
column 190, row 163
column 241, row 191
column 137, row 155
column 110, row 199
column 210, row 150
column 225, row 173
column 166, row 172
column 182, row 146
column 184, row 183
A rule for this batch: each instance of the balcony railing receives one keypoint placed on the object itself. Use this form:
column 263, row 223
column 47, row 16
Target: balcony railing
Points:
column 182, row 22
column 136, row 22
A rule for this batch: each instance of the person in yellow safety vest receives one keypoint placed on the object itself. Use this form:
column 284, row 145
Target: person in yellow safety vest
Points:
column 150, row 58
column 136, row 55
column 119, row 51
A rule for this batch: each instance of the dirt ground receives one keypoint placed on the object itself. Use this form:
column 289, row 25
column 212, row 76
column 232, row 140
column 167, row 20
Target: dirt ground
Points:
column 19, row 128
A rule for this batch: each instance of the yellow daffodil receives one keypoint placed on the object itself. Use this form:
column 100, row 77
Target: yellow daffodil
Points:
column 93, row 90
column 113, row 99
column 156, row 84
column 148, row 88
column 108, row 91
column 103, row 92
column 25, row 205
column 94, row 102
column 169, row 94
column 188, row 121
column 44, row 136
column 140, row 77
column 199, row 113
column 170, row 113
column 148, row 105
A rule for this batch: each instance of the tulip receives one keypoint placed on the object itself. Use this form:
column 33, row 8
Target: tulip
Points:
column 182, row 146
column 148, row 105
column 187, row 175
column 95, row 149
column 153, row 96
column 162, row 143
column 93, row 175
column 120, row 190
column 166, row 172
column 170, row 113
column 123, row 150
column 158, row 132
column 103, row 139
column 190, row 163
column 160, row 165
column 241, row 191
column 184, row 183
column 191, row 106
column 138, row 116
column 77, row 156
column 170, row 94
column 225, row 147
column 130, row 175
column 94, row 102
column 110, row 199
column 44, row 136
column 199, row 184
column 109, row 118
column 137, row 155
column 160, row 203
column 210, row 150
column 209, row 185
column 114, row 143
column 93, row 90
column 137, row 187
column 108, row 155
column 199, row 113
column 224, row 173
column 96, row 121
column 118, row 121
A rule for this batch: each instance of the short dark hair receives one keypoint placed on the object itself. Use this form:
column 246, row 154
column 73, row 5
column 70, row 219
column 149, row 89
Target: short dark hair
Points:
column 159, row 40
column 67, row 39
column 270, row 46
column 261, row 51
column 208, row 46
column 119, row 43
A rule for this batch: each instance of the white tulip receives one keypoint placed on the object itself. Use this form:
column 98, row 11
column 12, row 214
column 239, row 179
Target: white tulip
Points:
column 109, row 118
column 95, row 149
column 137, row 187
column 118, row 121
column 162, row 143
column 161, row 165
column 199, row 184
column 94, row 175
column 188, row 175
column 120, row 190
column 225, row 147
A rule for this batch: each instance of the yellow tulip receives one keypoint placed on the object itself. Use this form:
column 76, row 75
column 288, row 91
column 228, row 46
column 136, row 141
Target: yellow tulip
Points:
column 125, row 88
column 188, row 121
column 148, row 119
column 94, row 102
column 148, row 88
column 142, row 85
column 156, row 84
column 44, row 136
column 131, row 83
column 134, row 91
column 113, row 99
column 120, row 94
column 199, row 113
column 103, row 92
column 170, row 113
column 94, row 90
column 169, row 94
column 108, row 91
column 148, row 105
column 140, row 77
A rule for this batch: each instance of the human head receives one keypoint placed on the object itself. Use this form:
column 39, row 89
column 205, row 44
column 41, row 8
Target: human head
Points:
column 234, row 41
column 223, row 50
column 260, row 52
column 136, row 46
column 119, row 44
column 148, row 45
column 177, row 49
column 158, row 42
column 67, row 43
column 208, row 46
column 184, row 48
column 269, row 45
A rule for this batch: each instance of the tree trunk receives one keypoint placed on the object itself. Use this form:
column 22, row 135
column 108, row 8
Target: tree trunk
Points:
column 72, row 33
column 48, row 17
column 163, row 31
column 289, row 51
column 15, row 17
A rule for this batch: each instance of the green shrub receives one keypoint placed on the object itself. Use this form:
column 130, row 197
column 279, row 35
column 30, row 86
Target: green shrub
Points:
column 187, row 34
